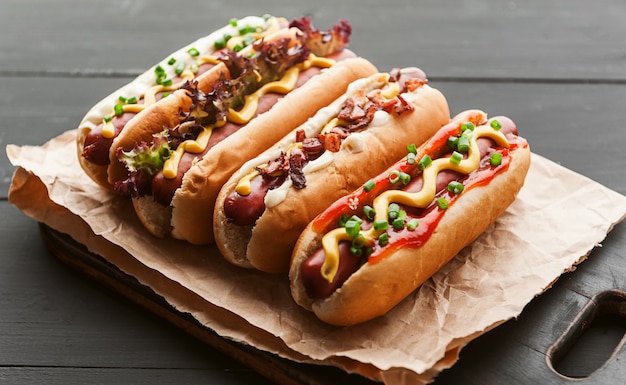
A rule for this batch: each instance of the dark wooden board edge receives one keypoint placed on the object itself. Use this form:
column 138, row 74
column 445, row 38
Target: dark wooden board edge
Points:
column 268, row 365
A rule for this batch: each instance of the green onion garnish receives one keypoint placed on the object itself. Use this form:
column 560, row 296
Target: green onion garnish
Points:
column 358, row 241
column 193, row 51
column 383, row 239
column 452, row 141
column 463, row 144
column 467, row 126
column 233, row 22
column 394, row 176
column 410, row 158
column 165, row 94
column 369, row 212
column 397, row 224
column 180, row 68
column 122, row 99
column 496, row 159
column 131, row 100
column 443, row 203
column 237, row 47
column 357, row 251
column 424, row 162
column 369, row 185
column 412, row 224
column 405, row 178
column 342, row 220
column 171, row 61
column 380, row 225
column 166, row 82
column 353, row 227
column 455, row 187
column 107, row 118
column 393, row 211
column 456, row 157
column 119, row 109
column 496, row 125
column 411, row 148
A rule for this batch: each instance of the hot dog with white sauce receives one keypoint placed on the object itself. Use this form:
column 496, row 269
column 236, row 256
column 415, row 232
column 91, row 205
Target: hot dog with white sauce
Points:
column 105, row 120
column 370, row 249
column 174, row 161
column 264, row 206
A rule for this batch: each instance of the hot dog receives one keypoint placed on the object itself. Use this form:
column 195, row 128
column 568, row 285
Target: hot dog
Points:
column 370, row 249
column 264, row 206
column 174, row 161
column 104, row 121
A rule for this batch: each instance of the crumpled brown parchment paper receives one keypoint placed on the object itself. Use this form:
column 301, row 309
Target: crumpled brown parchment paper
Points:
column 552, row 226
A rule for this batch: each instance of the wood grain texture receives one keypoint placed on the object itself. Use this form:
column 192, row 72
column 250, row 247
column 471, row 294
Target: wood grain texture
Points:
column 556, row 68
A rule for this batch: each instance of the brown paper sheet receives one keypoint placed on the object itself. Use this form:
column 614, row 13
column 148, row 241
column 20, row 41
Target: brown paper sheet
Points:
column 488, row 283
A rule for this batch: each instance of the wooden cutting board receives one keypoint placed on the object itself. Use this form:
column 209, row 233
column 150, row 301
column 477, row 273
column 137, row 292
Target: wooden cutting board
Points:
column 573, row 333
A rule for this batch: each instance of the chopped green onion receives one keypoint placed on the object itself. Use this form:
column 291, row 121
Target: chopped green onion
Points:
column 410, row 158
column 166, row 82
column 383, row 239
column 131, row 100
column 496, row 159
column 107, row 118
column 171, row 61
column 119, row 109
column 412, row 224
column 248, row 39
column 356, row 219
column 463, row 144
column 233, row 22
column 380, row 225
column 122, row 99
column 402, row 214
column 456, row 157
column 180, row 68
column 159, row 70
column 357, row 251
column 393, row 211
column 443, row 203
column 165, row 95
column 193, row 51
column 237, row 47
column 247, row 29
column 194, row 67
column 342, row 220
column 353, row 227
column 467, row 126
column 394, row 176
column 424, row 162
column 452, row 141
column 369, row 212
column 397, row 224
column 405, row 178
column 369, row 185
column 496, row 125
column 455, row 187
column 358, row 241
column 411, row 148
column 219, row 43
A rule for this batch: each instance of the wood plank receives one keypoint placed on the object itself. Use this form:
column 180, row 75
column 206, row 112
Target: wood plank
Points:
column 563, row 39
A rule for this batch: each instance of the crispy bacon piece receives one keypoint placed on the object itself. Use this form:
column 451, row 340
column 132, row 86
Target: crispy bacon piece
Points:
column 297, row 161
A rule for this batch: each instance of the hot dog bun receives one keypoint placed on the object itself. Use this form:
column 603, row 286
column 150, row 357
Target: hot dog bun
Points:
column 94, row 157
column 375, row 288
column 191, row 209
column 267, row 244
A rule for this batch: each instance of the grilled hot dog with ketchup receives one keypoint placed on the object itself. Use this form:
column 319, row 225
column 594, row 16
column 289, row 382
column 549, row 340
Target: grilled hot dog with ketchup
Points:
column 174, row 161
column 121, row 108
column 370, row 249
column 264, row 206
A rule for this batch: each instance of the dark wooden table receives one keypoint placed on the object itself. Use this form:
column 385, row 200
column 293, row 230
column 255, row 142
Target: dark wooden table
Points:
column 557, row 68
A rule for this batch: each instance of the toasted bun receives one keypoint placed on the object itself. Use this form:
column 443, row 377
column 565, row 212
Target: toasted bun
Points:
column 260, row 247
column 154, row 216
column 142, row 83
column 194, row 202
column 376, row 288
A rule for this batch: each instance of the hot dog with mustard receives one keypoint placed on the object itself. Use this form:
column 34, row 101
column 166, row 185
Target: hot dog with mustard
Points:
column 370, row 249
column 265, row 205
column 174, row 161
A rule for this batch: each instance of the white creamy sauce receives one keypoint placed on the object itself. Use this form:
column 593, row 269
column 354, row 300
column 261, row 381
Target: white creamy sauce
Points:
column 142, row 84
